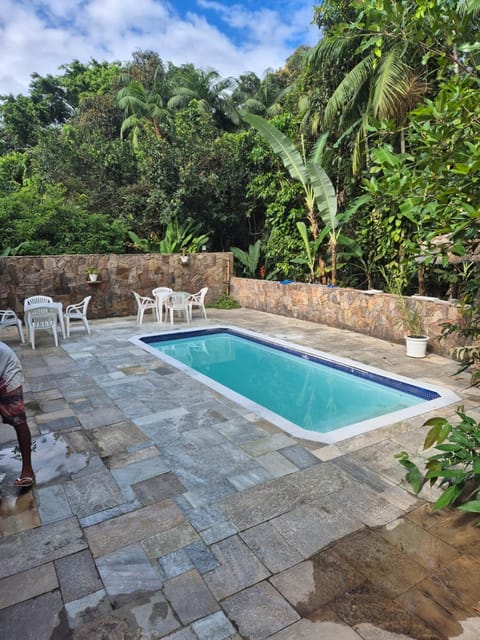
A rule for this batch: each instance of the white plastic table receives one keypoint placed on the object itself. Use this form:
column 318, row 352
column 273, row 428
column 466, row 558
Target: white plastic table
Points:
column 56, row 305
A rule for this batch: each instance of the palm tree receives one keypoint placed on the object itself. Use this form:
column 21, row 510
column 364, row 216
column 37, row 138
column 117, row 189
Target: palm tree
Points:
column 385, row 88
column 143, row 108
column 209, row 90
column 260, row 97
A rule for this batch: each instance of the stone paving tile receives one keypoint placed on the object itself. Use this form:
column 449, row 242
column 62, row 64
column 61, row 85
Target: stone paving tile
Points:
column 270, row 547
column 28, row 584
column 153, row 616
column 447, row 597
column 260, row 503
column 212, row 492
column 276, row 465
column 204, row 517
column 312, row 584
column 113, row 534
column 320, row 630
column 214, row 627
column 108, row 514
column 239, row 431
column 28, row 620
column 52, row 504
column 59, row 424
column 202, row 437
column 165, row 485
column 93, row 492
column 190, row 597
column 259, row 611
column 268, row 443
column 364, row 606
column 80, row 612
column 102, row 416
column 385, row 566
column 453, row 527
column 310, row 528
column 379, row 457
column 202, row 558
column 363, row 504
column 360, row 473
column 174, row 563
column 165, row 542
column 18, row 513
column 130, row 562
column 77, row 575
column 31, row 548
column 239, row 568
column 301, row 457
column 218, row 532
column 115, row 438
column 418, row 544
column 125, row 458
column 138, row 471
column 183, row 634
column 250, row 478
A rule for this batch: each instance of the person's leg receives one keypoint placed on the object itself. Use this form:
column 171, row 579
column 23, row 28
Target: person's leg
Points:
column 12, row 409
column 25, row 445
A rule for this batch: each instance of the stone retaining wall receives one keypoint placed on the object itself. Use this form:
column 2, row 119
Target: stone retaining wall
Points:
column 63, row 278
column 375, row 314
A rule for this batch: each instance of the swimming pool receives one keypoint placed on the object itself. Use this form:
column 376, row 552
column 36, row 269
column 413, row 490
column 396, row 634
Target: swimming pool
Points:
column 308, row 393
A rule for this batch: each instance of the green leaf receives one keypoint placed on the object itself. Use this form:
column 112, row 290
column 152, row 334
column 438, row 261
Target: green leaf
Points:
column 473, row 506
column 448, row 496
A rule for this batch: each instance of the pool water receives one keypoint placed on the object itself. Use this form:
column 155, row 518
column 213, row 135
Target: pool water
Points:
column 317, row 395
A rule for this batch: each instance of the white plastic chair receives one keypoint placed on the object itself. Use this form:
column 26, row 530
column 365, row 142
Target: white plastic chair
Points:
column 42, row 318
column 77, row 312
column 9, row 318
column 144, row 303
column 178, row 302
column 198, row 300
column 37, row 300
column 161, row 295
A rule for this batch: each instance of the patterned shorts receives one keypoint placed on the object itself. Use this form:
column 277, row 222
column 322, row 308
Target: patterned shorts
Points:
column 12, row 406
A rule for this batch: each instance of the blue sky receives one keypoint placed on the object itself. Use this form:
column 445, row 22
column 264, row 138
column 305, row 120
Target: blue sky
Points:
column 229, row 36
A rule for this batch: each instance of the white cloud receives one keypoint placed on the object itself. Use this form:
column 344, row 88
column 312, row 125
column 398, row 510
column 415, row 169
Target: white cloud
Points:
column 40, row 36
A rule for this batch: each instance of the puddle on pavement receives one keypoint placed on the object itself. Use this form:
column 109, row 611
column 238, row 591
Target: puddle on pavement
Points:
column 54, row 456
column 375, row 584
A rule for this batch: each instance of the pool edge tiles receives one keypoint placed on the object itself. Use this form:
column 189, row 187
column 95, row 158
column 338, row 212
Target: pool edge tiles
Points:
column 433, row 397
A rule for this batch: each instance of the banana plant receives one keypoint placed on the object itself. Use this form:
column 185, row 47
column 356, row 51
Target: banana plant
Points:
column 320, row 196
column 248, row 259
column 178, row 238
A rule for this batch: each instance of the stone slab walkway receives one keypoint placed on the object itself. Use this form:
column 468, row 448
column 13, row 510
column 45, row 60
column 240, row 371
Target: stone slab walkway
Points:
column 164, row 510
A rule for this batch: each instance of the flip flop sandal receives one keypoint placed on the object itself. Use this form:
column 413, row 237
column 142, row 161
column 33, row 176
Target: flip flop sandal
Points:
column 24, row 481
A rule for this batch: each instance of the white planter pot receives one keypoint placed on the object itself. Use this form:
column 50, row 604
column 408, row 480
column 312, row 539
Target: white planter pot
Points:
column 93, row 277
column 416, row 346
column 184, row 259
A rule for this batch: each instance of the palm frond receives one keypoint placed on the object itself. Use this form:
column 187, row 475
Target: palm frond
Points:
column 391, row 85
column 349, row 87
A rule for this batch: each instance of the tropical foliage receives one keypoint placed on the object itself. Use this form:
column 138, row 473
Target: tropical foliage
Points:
column 345, row 166
column 454, row 467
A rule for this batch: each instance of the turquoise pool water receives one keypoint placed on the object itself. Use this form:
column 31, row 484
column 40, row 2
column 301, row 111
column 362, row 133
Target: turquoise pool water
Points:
column 299, row 386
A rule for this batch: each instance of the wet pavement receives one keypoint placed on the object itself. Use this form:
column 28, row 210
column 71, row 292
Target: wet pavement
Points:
column 164, row 510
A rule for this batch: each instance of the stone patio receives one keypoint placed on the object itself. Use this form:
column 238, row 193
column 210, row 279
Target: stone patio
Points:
column 164, row 510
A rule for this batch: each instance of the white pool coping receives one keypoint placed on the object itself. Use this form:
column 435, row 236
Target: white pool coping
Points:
column 446, row 396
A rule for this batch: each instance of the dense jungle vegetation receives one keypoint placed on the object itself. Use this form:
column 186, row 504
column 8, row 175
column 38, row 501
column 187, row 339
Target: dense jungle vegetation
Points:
column 145, row 155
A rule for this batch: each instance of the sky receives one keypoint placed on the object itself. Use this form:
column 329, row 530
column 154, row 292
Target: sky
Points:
column 232, row 37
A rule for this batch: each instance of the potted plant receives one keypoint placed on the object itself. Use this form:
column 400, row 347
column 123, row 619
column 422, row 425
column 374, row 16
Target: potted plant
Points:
column 184, row 257
column 416, row 339
column 92, row 273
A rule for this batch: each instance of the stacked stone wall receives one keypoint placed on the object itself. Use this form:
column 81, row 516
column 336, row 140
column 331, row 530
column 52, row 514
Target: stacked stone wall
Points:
column 374, row 314
column 64, row 279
